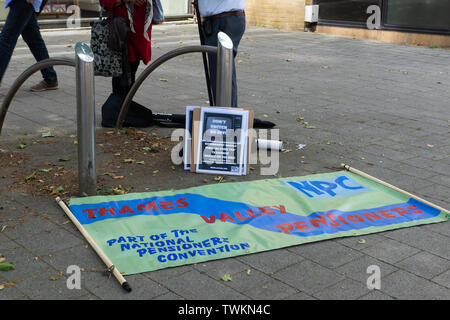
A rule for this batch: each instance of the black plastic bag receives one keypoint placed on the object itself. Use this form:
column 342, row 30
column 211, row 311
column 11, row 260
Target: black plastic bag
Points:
column 138, row 116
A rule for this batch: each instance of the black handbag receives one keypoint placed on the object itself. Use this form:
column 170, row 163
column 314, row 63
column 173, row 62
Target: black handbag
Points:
column 107, row 63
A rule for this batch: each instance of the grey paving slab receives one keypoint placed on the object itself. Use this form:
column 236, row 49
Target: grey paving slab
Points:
column 272, row 261
column 404, row 285
column 40, row 287
column 330, row 253
column 361, row 242
column 49, row 242
column 163, row 275
column 82, row 256
column 358, row 269
column 12, row 293
column 420, row 238
column 248, row 279
column 272, row 290
column 442, row 228
column 107, row 288
column 376, row 295
column 308, row 277
column 28, row 225
column 443, row 279
column 424, row 264
column 390, row 251
column 300, row 296
column 169, row 296
column 218, row 268
column 347, row 289
column 7, row 244
column 193, row 285
column 25, row 264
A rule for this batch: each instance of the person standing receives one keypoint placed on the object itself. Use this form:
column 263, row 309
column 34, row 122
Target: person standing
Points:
column 138, row 14
column 227, row 16
column 22, row 20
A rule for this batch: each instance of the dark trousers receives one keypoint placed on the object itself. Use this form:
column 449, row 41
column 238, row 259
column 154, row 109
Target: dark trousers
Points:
column 234, row 27
column 22, row 20
column 118, row 86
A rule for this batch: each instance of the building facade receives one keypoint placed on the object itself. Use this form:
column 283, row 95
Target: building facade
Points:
column 420, row 22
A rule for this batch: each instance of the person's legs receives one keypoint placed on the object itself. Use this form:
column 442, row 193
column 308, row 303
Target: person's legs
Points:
column 19, row 14
column 234, row 27
column 117, row 86
column 32, row 36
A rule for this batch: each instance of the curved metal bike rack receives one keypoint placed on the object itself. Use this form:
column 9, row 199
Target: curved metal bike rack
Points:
column 152, row 67
column 25, row 75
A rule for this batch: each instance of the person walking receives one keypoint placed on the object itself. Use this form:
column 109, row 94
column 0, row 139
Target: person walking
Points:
column 227, row 16
column 22, row 20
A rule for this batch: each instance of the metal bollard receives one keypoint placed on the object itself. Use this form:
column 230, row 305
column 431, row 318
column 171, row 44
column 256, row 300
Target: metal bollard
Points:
column 224, row 70
column 84, row 66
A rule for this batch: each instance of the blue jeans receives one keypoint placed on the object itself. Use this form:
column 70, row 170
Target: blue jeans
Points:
column 234, row 27
column 22, row 20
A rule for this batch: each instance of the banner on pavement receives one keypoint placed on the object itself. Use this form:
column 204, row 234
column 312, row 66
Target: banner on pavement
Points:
column 142, row 232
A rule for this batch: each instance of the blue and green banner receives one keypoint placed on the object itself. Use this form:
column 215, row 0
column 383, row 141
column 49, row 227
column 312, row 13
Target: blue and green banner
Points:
column 142, row 232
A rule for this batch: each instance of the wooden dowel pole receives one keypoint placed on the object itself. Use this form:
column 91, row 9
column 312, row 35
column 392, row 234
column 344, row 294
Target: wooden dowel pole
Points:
column 94, row 245
column 365, row 175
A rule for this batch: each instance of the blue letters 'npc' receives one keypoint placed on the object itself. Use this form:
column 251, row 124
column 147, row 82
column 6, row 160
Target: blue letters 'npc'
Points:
column 328, row 188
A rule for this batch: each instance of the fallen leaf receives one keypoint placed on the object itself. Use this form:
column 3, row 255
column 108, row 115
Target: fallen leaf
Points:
column 6, row 266
column 6, row 285
column 47, row 135
column 32, row 176
column 21, row 146
column 54, row 278
column 307, row 126
column 46, row 170
column 361, row 241
column 63, row 159
column 226, row 277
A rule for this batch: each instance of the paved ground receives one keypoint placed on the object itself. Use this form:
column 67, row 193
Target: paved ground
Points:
column 382, row 108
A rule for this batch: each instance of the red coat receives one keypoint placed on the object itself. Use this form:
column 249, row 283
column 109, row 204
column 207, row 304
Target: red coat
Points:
column 138, row 47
